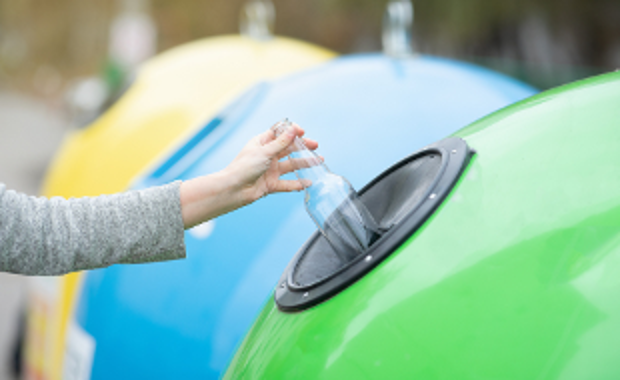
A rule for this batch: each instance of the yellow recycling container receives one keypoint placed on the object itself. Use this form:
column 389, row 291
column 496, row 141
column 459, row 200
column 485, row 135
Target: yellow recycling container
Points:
column 172, row 95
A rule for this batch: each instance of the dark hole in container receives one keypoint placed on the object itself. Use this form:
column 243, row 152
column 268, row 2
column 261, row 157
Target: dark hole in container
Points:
column 389, row 201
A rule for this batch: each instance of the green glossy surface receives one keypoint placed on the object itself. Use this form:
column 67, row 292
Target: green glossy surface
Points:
column 516, row 276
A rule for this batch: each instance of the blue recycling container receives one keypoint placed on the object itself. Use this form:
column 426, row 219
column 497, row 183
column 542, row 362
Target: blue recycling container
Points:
column 185, row 319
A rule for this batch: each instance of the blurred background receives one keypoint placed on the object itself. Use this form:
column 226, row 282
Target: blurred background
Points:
column 44, row 45
column 53, row 52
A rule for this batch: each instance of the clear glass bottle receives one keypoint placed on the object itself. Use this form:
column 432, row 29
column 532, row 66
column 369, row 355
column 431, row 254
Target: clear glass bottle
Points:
column 331, row 201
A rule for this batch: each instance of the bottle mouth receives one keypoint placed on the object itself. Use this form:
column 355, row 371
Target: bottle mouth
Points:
column 400, row 200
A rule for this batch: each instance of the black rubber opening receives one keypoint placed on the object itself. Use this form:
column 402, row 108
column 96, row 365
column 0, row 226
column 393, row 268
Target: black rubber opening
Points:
column 400, row 200
column 389, row 201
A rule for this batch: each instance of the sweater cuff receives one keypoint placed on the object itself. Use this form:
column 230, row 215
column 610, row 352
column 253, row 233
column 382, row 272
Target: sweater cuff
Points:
column 167, row 218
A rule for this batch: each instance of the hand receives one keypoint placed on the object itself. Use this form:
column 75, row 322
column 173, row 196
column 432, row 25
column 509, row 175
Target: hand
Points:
column 254, row 173
column 257, row 168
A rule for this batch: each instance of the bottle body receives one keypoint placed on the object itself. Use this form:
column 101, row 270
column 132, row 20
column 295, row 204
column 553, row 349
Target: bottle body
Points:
column 341, row 217
column 331, row 202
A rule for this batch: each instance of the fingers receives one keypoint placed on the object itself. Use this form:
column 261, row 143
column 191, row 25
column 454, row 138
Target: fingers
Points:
column 299, row 163
column 286, row 151
column 266, row 137
column 271, row 133
column 293, row 148
column 287, row 186
column 282, row 143
column 299, row 129
column 311, row 144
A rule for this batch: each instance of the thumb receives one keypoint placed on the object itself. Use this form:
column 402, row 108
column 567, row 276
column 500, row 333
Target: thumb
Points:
column 281, row 143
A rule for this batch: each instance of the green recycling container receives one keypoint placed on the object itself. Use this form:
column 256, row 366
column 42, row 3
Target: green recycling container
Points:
column 505, row 265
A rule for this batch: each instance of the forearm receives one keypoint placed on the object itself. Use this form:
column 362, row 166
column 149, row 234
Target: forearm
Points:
column 41, row 236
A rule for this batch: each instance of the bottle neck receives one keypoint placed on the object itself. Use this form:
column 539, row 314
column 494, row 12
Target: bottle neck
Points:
column 307, row 164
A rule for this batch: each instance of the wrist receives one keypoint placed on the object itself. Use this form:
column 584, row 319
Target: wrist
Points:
column 232, row 187
column 207, row 197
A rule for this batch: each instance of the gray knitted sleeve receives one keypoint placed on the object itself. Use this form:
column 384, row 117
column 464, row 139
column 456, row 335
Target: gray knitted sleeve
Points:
column 40, row 236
